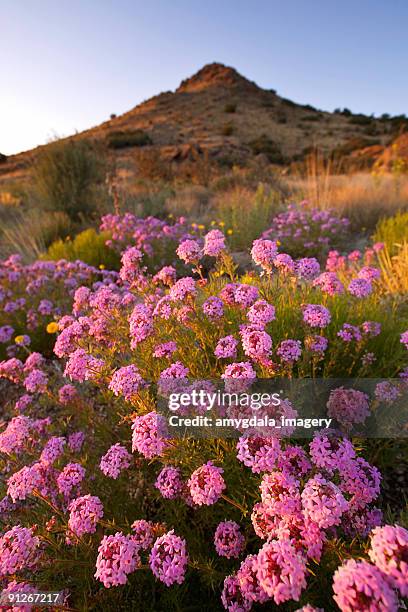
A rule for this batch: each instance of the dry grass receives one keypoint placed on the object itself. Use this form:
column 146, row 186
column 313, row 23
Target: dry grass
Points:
column 363, row 197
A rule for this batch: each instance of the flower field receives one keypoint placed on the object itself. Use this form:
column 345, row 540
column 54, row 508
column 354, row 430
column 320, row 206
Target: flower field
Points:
column 100, row 502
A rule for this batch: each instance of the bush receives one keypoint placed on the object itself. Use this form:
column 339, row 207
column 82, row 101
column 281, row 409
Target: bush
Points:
column 246, row 214
column 121, row 140
column 227, row 129
column 361, row 120
column 30, row 234
column 65, row 177
column 308, row 231
column 3, row 158
column 393, row 231
column 230, row 108
column 264, row 145
column 88, row 246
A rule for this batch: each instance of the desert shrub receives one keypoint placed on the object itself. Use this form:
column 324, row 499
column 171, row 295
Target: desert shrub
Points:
column 191, row 201
column 155, row 238
column 394, row 269
column 264, row 145
column 311, row 231
column 315, row 117
column 230, row 108
column 151, row 165
column 30, row 233
column 360, row 119
column 246, row 214
column 34, row 295
column 135, row 138
column 392, row 231
column 227, row 129
column 95, row 456
column 65, row 177
column 3, row 158
column 88, row 246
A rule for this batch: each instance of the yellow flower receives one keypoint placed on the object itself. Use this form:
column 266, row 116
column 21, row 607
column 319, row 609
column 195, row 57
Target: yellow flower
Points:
column 52, row 327
column 101, row 266
column 221, row 223
column 278, row 242
column 19, row 339
column 213, row 223
column 201, row 226
column 230, row 231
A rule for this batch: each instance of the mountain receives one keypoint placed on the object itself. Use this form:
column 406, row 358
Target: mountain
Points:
column 222, row 116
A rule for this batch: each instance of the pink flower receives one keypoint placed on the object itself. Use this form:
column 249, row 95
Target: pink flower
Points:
column 349, row 332
column 130, row 269
column 214, row 243
column 182, row 289
column 18, row 550
column 213, row 308
column 348, row 406
column 281, row 571
column 329, row 282
column 206, row 484
column 284, row 263
column 360, row 287
column 168, row 559
column 331, row 452
column 228, row 539
column 281, row 493
column 140, row 324
column 248, row 580
column 360, row 480
column 117, row 557
column 70, row 479
column 290, row 350
column 257, row 344
column 245, row 295
column 67, row 394
column 169, row 482
column 360, row 587
column 165, row 350
column 369, row 274
column 189, row 251
column 52, row 450
column 261, row 313
column 316, row 315
column 115, row 460
column 389, row 552
column 323, row 502
column 148, row 435
column 263, row 253
column 232, row 597
column 36, row 381
column 316, row 344
column 127, row 382
column 226, row 347
column 84, row 514
column 258, row 453
column 293, row 461
column 307, row 268
column 143, row 533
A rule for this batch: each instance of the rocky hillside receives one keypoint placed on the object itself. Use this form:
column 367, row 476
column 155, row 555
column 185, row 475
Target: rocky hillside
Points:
column 220, row 115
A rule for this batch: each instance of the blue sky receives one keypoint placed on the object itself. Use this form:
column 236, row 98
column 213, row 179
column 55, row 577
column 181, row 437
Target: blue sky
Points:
column 67, row 65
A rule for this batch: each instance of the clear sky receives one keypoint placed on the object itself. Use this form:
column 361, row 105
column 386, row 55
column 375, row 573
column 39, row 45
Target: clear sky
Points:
column 66, row 65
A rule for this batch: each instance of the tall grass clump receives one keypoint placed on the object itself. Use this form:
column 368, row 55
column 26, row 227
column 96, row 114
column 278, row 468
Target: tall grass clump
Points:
column 66, row 176
column 246, row 214
column 392, row 231
column 88, row 246
column 30, row 233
